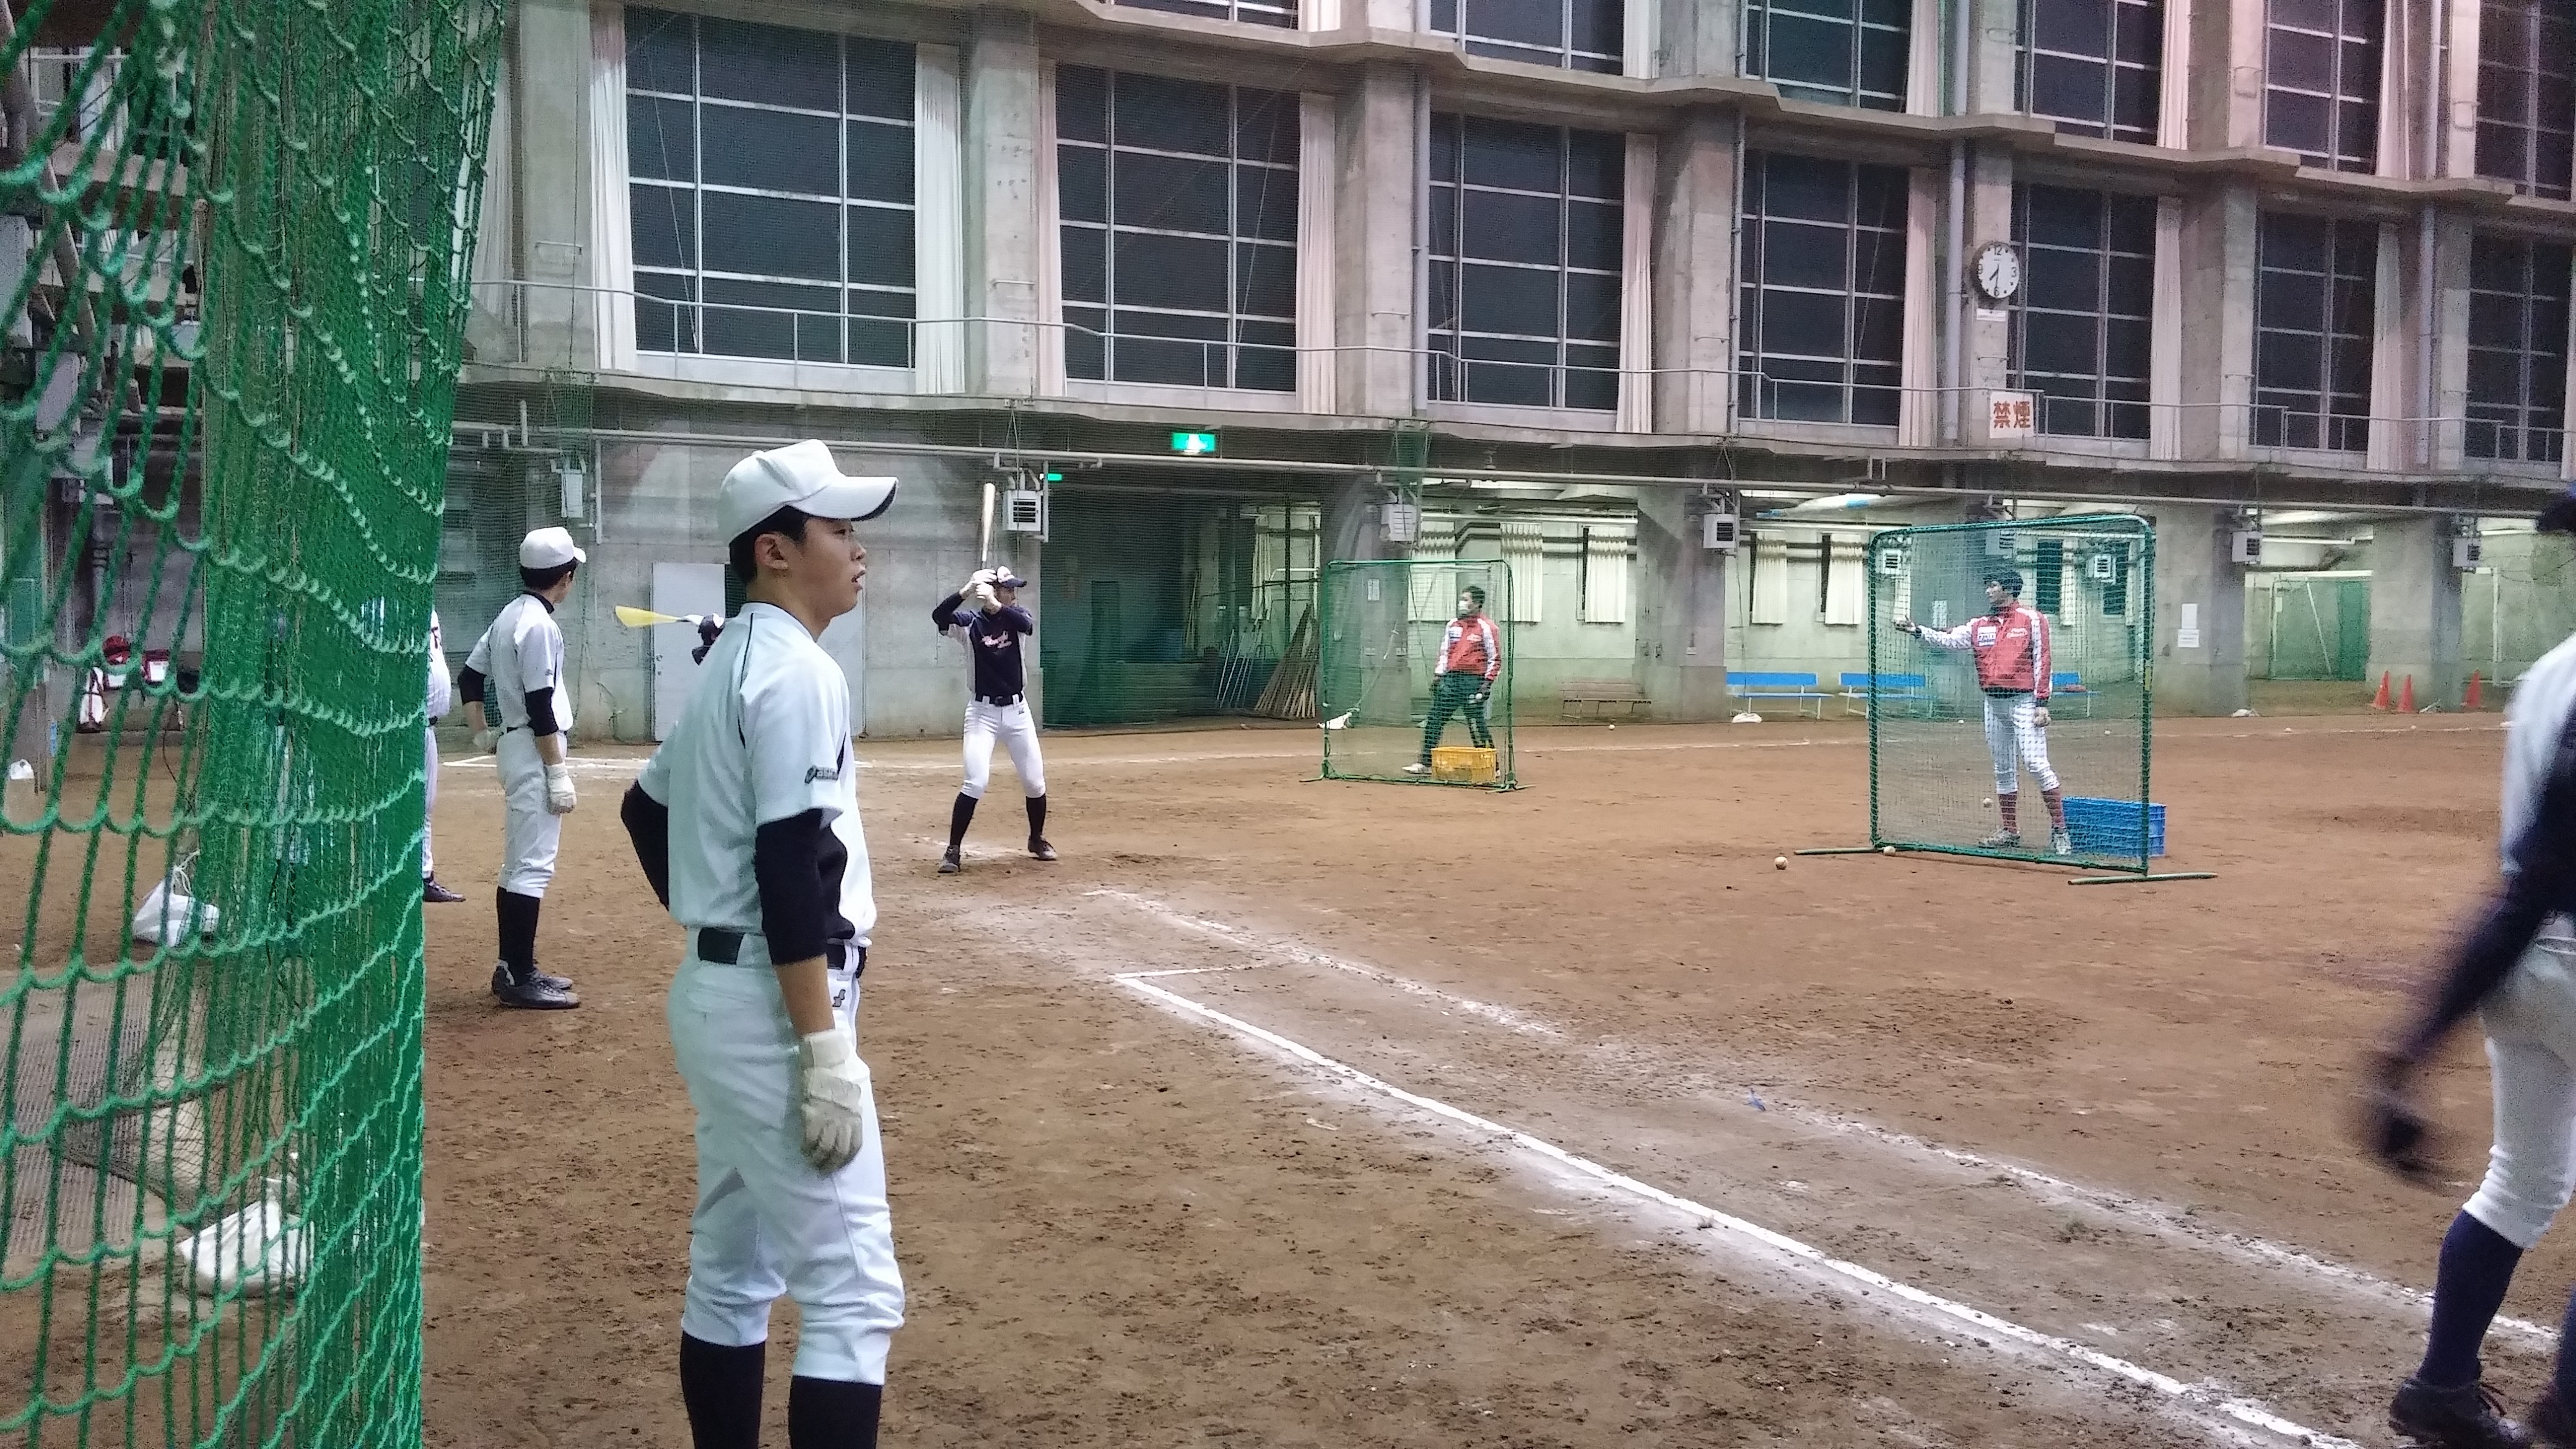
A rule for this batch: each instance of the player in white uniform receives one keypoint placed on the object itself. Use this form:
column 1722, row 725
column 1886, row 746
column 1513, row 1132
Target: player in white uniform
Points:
column 2517, row 967
column 441, row 700
column 522, row 658
column 986, row 613
column 746, row 822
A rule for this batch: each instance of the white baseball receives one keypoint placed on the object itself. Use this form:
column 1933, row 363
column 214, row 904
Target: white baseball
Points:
column 1779, row 862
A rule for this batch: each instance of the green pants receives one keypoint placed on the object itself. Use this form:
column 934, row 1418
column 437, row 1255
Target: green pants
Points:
column 1450, row 694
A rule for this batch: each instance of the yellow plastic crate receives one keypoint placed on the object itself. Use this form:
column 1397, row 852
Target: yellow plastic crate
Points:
column 1462, row 765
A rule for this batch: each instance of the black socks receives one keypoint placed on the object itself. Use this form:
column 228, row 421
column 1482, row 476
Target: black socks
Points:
column 1037, row 817
column 830, row 1414
column 721, row 1387
column 960, row 815
column 518, row 915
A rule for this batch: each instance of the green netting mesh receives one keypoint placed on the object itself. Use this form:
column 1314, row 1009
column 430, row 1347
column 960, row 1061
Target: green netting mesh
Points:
column 233, row 241
column 1385, row 714
column 1941, row 745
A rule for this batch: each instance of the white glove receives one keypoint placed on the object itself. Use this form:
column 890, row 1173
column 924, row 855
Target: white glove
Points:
column 983, row 598
column 486, row 741
column 980, row 576
column 832, row 1093
column 559, row 797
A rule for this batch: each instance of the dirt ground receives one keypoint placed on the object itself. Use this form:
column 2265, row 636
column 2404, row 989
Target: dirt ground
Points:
column 2112, row 1115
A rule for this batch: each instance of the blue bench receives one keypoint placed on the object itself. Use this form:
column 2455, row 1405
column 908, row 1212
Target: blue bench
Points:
column 1800, row 689
column 2068, row 689
column 1864, row 691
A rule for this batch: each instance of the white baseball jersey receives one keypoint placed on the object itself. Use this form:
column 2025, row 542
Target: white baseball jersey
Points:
column 765, row 737
column 442, row 688
column 520, row 654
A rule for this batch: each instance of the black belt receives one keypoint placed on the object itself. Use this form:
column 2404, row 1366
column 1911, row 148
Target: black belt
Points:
column 999, row 701
column 724, row 948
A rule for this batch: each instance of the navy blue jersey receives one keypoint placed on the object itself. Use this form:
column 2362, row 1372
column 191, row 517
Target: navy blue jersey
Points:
column 995, row 640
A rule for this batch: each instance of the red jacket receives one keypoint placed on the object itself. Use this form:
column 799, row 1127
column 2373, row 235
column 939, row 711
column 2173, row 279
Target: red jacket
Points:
column 2011, row 649
column 1471, row 646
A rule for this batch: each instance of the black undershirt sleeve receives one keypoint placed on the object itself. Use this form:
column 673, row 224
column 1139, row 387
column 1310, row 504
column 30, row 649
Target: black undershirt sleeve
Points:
column 786, row 861
column 469, row 685
column 541, row 713
column 648, row 828
column 943, row 615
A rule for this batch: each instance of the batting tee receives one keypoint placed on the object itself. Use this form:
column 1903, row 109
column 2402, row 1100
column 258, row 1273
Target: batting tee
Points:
column 234, row 244
column 1383, row 625
column 1946, row 756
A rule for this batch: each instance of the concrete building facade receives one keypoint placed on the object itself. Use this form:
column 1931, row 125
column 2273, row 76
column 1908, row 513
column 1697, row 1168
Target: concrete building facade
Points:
column 1567, row 283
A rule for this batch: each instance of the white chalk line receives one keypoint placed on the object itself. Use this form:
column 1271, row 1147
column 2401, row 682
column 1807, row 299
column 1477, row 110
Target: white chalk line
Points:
column 2205, row 1396
column 2164, row 1222
column 1306, row 956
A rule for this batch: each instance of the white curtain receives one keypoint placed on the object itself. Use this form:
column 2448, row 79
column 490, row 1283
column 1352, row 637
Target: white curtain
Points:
column 1770, row 582
column 1050, row 336
column 939, row 223
column 1315, row 172
column 612, row 220
column 2392, row 444
column 1525, row 551
column 2164, row 336
column 1846, row 587
column 1919, row 406
column 1605, row 572
column 1637, row 290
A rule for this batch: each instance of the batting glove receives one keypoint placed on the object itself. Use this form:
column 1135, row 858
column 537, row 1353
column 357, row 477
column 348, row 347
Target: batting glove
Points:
column 559, row 796
column 983, row 598
column 486, row 741
column 832, row 1096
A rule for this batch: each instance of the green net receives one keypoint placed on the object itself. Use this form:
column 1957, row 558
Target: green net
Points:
column 1389, row 712
column 233, row 242
column 1962, row 765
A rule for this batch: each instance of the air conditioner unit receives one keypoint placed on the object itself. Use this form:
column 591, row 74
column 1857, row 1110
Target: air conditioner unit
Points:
column 1024, row 510
column 2102, row 568
column 1720, row 532
column 2002, row 543
column 2466, row 553
column 2245, row 547
column 1400, row 522
column 1891, row 561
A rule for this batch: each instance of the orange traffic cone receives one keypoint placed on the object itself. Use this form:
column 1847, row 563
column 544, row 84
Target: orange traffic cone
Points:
column 2380, row 700
column 2406, row 696
column 2472, row 699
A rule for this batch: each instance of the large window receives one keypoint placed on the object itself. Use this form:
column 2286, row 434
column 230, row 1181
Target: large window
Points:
column 1250, row 12
column 1525, row 253
column 1823, row 302
column 2527, row 94
column 1569, row 34
column 2091, row 65
column 1841, row 52
column 2083, row 327
column 771, row 186
column 2315, row 300
column 1179, row 207
column 2321, row 97
column 2517, row 349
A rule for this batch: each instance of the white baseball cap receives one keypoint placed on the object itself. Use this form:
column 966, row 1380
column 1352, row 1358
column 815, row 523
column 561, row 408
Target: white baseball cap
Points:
column 801, row 476
column 549, row 548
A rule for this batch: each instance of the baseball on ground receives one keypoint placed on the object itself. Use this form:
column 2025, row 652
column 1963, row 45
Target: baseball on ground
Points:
column 1779, row 862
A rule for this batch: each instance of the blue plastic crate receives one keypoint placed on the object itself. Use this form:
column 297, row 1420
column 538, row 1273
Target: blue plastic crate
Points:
column 2110, row 827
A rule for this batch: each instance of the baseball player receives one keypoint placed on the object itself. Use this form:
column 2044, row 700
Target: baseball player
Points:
column 1471, row 657
column 746, row 822
column 2010, row 641
column 441, row 700
column 2516, row 966
column 987, row 614
column 521, row 658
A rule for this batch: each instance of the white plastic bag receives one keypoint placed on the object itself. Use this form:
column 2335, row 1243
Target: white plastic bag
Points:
column 255, row 1251
column 169, row 912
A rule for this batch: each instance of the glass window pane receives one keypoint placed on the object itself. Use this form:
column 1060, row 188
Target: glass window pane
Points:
column 1595, row 164
column 1081, row 103
column 1266, row 126
column 2127, row 346
column 2298, row 123
column 661, row 139
column 771, row 150
column 1882, row 66
column 1599, row 25
column 2293, row 300
column 1082, row 183
column 1799, row 254
column 2079, row 26
column 2062, row 280
column 661, row 52
column 2072, row 88
column 772, row 236
column 763, row 319
column 659, row 326
column 666, row 226
column 2056, row 216
column 1509, row 154
column 1592, row 306
column 1805, row 323
column 1265, row 369
column 881, row 245
column 880, row 162
column 1509, row 299
column 1878, row 263
column 1507, row 227
column 1169, row 271
column 1800, row 187
column 2059, row 343
column 1177, row 193
column 1811, row 52
column 1878, row 329
column 1592, row 235
column 1086, row 263
column 1265, row 280
column 1086, row 351
column 1265, row 202
column 1172, row 115
column 1525, row 22
column 741, row 61
column 880, row 78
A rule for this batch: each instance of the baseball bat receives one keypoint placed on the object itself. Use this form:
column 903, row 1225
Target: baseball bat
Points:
column 635, row 618
column 984, row 530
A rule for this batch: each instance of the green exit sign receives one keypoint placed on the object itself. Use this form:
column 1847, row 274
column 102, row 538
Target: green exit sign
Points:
column 1194, row 445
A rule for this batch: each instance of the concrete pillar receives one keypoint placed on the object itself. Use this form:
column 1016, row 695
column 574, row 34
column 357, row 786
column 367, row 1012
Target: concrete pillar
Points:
column 1003, row 227
column 2226, row 77
column 2218, row 236
column 2199, row 648
column 2415, row 609
column 1694, row 274
column 1994, row 41
column 1696, row 40
column 1990, row 212
column 1373, row 295
column 549, row 171
column 1681, row 611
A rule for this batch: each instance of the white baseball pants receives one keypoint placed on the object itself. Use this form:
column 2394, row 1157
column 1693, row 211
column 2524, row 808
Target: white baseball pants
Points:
column 1017, row 729
column 529, row 834
column 429, row 805
column 767, row 1224
column 2013, row 739
column 2531, row 1054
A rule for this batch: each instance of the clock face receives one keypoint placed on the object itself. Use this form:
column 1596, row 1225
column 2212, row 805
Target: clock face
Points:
column 1998, row 271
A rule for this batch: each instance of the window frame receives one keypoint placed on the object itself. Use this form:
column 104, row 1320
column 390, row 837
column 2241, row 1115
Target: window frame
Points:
column 2115, row 419
column 1455, row 19
column 1449, row 369
column 1757, row 49
column 2539, row 19
column 682, row 319
column 2344, row 91
column 1270, row 14
column 2028, row 54
column 2333, row 429
column 2530, row 426
column 1754, row 291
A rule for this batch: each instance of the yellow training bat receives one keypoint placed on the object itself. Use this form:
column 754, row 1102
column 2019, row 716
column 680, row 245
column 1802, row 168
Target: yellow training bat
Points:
column 635, row 618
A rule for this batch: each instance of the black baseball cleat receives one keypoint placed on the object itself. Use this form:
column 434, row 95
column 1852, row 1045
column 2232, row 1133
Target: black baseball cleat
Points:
column 949, row 864
column 2468, row 1417
column 2552, row 1422
column 1039, row 848
column 436, row 894
column 537, row 991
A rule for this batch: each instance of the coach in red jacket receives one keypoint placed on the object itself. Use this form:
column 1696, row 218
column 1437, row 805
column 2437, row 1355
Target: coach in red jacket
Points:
column 2010, row 641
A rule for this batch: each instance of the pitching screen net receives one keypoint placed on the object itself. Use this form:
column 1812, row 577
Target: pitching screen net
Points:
column 1388, row 709
column 1958, row 758
column 234, row 238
